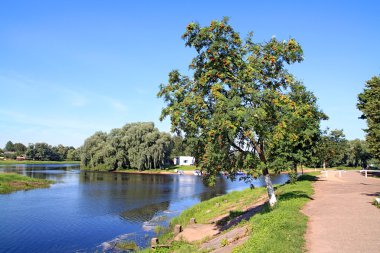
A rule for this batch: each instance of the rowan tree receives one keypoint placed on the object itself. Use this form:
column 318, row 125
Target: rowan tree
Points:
column 236, row 106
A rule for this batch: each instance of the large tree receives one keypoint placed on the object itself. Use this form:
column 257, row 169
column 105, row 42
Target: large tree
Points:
column 238, row 104
column 9, row 146
column 41, row 152
column 19, row 148
column 136, row 145
column 369, row 105
column 357, row 153
column 332, row 148
column 180, row 147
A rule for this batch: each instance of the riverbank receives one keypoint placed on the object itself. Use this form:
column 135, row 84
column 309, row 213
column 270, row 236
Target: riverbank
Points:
column 186, row 169
column 10, row 162
column 10, row 182
column 242, row 221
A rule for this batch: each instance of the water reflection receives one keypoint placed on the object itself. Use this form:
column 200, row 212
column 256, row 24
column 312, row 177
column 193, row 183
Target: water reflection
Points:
column 144, row 195
column 86, row 209
column 145, row 213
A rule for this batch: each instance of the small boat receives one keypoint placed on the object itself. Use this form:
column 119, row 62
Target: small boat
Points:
column 180, row 172
column 197, row 173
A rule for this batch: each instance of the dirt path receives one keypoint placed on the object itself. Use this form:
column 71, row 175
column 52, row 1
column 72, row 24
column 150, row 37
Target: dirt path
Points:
column 341, row 216
column 212, row 233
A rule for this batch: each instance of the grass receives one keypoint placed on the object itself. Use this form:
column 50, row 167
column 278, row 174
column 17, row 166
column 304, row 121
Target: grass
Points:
column 10, row 182
column 282, row 228
column 337, row 168
column 127, row 246
column 346, row 168
column 9, row 162
column 204, row 211
column 278, row 229
column 182, row 167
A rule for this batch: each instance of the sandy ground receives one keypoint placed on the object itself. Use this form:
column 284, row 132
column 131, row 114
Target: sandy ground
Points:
column 213, row 234
column 341, row 216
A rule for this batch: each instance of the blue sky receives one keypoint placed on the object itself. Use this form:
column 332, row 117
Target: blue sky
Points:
column 70, row 68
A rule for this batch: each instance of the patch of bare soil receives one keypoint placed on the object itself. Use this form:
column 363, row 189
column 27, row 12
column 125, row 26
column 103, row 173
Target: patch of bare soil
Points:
column 214, row 235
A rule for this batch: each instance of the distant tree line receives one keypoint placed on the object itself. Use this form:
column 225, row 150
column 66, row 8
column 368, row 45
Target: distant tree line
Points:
column 141, row 146
column 41, row 152
column 134, row 146
column 137, row 145
column 333, row 150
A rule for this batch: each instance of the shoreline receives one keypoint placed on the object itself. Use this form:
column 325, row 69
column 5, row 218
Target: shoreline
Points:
column 162, row 172
column 230, row 215
column 12, row 182
column 188, row 172
column 31, row 162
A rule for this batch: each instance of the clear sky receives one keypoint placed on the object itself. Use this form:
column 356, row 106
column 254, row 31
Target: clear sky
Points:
column 70, row 68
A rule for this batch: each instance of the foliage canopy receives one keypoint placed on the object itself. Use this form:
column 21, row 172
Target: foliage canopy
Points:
column 136, row 145
column 241, row 108
column 369, row 105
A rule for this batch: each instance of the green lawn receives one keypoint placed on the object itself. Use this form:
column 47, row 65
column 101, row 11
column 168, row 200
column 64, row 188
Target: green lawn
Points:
column 280, row 229
column 9, row 162
column 182, row 167
column 338, row 168
column 10, row 182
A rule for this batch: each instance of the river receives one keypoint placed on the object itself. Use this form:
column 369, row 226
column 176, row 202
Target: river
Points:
column 89, row 211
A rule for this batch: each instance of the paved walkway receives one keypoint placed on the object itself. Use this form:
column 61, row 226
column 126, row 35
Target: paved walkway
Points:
column 341, row 216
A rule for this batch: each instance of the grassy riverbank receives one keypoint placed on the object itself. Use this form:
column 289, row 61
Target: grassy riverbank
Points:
column 280, row 229
column 10, row 182
column 283, row 228
column 10, row 162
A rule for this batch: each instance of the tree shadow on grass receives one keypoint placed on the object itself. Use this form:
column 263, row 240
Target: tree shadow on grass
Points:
column 236, row 216
column 307, row 177
column 294, row 195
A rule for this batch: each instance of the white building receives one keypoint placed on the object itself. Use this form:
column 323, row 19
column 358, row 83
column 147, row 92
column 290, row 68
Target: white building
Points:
column 184, row 160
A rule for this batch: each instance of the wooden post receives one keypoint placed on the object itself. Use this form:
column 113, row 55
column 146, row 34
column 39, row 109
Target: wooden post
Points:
column 177, row 229
column 366, row 173
column 154, row 242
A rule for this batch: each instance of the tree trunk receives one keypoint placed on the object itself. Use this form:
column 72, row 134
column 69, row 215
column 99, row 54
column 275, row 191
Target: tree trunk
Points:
column 270, row 189
column 301, row 168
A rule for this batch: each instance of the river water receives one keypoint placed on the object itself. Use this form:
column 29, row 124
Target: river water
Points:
column 90, row 212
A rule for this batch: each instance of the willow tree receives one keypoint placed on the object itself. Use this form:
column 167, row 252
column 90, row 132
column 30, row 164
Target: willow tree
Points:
column 236, row 105
column 135, row 145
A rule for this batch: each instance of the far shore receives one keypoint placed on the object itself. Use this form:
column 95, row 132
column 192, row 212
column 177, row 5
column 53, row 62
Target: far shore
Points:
column 165, row 172
column 191, row 172
column 11, row 162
